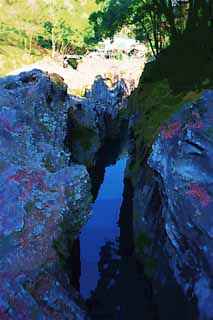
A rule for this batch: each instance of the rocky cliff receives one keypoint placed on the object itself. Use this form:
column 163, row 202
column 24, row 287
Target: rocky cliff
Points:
column 40, row 195
column 95, row 119
column 173, row 202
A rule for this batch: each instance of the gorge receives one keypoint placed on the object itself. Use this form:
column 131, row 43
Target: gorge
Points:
column 146, row 249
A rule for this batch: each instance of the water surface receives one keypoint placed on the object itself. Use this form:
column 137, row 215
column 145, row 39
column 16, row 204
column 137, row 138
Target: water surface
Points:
column 103, row 225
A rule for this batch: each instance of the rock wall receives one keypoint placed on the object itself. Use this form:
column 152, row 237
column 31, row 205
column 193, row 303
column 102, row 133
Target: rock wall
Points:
column 39, row 195
column 94, row 119
column 173, row 202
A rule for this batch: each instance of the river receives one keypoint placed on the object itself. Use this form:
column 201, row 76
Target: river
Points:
column 103, row 225
column 110, row 279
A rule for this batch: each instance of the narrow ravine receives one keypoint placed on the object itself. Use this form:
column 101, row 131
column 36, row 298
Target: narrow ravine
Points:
column 105, row 266
column 111, row 280
column 103, row 225
column 109, row 277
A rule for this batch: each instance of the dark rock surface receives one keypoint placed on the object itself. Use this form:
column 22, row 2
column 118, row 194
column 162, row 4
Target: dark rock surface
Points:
column 96, row 118
column 173, row 202
column 38, row 192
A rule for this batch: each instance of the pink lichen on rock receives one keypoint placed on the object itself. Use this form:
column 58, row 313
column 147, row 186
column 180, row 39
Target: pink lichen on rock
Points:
column 171, row 130
column 199, row 193
column 198, row 124
column 28, row 180
column 5, row 124
column 196, row 114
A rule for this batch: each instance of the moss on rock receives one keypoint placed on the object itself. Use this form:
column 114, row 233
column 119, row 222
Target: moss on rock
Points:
column 57, row 81
column 83, row 135
column 178, row 76
column 155, row 101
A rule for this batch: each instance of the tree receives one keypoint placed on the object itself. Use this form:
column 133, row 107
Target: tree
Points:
column 56, row 24
column 159, row 22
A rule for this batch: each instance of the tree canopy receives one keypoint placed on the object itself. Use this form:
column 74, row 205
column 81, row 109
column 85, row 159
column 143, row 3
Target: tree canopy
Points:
column 158, row 22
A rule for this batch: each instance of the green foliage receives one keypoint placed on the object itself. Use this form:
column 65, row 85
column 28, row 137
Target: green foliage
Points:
column 136, row 15
column 142, row 246
column 73, row 63
column 29, row 206
column 26, row 26
column 83, row 135
column 177, row 77
column 142, row 241
column 155, row 102
column 150, row 265
column 158, row 22
column 48, row 165
column 159, row 103
column 89, row 198
column 57, row 81
column 89, row 163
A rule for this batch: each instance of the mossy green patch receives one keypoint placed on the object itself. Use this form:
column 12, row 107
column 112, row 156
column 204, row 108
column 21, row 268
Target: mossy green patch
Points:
column 57, row 81
column 155, row 102
column 83, row 135
column 178, row 76
column 209, row 132
column 49, row 165
column 136, row 216
column 69, row 233
column 150, row 266
column 89, row 198
column 123, row 114
column 89, row 163
column 142, row 244
column 29, row 206
column 142, row 241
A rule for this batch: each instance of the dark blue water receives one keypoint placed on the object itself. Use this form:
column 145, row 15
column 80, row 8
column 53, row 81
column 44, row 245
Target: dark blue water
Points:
column 112, row 281
column 102, row 226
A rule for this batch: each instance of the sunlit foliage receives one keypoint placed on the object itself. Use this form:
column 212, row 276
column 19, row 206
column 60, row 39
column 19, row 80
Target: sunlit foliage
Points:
column 158, row 22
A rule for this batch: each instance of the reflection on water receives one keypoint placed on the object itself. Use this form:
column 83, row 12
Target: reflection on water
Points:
column 102, row 226
column 122, row 292
column 106, row 270
column 111, row 279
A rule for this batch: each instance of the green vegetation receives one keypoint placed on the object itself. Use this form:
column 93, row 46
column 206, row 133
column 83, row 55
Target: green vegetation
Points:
column 29, row 206
column 142, row 245
column 31, row 29
column 150, row 265
column 160, row 23
column 142, row 241
column 69, row 232
column 89, row 163
column 49, row 166
column 178, row 76
column 83, row 135
column 157, row 102
column 179, row 34
column 57, row 81
column 89, row 198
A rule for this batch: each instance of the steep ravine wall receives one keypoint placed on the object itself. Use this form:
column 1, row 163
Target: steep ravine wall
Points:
column 95, row 120
column 173, row 201
column 45, row 197
column 43, row 200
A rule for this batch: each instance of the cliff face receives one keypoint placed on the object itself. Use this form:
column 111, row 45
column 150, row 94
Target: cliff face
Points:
column 173, row 201
column 95, row 119
column 40, row 195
